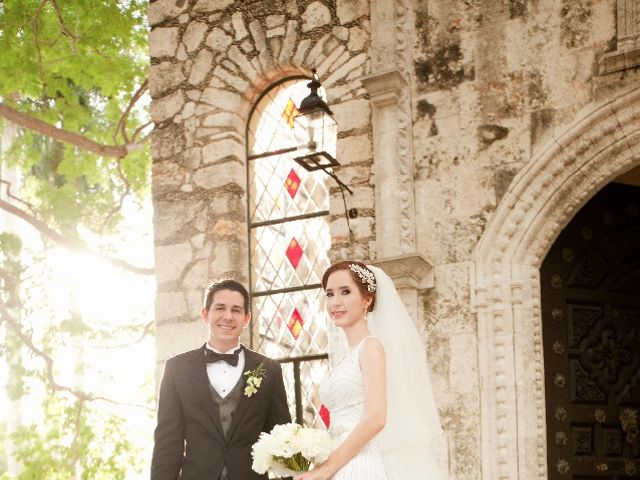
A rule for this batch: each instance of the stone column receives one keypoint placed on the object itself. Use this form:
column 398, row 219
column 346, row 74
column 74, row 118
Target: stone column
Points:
column 389, row 91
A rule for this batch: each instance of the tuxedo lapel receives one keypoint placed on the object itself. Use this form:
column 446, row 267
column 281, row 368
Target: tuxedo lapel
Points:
column 251, row 361
column 200, row 383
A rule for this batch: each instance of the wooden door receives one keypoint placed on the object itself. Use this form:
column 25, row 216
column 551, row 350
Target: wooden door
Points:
column 590, row 284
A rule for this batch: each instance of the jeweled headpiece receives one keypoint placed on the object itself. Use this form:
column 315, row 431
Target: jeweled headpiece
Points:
column 366, row 276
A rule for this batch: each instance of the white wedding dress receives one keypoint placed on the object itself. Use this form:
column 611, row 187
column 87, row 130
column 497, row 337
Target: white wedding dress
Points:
column 341, row 391
column 412, row 445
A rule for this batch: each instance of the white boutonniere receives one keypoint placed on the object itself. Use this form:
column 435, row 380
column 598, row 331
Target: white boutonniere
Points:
column 254, row 379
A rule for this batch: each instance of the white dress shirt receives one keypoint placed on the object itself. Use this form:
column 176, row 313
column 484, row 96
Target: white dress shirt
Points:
column 223, row 377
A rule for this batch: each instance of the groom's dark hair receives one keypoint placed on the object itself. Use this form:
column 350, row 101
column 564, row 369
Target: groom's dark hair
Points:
column 218, row 285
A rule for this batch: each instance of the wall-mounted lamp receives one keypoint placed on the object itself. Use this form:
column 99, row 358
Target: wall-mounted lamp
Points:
column 316, row 132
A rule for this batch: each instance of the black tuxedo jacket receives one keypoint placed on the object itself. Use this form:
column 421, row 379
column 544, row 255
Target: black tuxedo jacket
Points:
column 189, row 440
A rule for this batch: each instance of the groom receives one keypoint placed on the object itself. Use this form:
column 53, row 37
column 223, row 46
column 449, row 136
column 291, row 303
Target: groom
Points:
column 216, row 400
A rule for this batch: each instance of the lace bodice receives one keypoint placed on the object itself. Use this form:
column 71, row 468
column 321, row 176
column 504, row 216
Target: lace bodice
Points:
column 342, row 393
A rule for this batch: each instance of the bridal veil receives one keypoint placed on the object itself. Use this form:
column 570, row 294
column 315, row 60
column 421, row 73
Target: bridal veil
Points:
column 412, row 436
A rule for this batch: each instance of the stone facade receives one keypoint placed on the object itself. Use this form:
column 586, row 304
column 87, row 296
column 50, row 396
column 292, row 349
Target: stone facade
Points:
column 470, row 132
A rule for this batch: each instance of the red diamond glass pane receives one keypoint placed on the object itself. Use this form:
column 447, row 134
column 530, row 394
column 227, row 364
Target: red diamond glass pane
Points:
column 325, row 415
column 295, row 323
column 294, row 252
column 292, row 183
column 290, row 113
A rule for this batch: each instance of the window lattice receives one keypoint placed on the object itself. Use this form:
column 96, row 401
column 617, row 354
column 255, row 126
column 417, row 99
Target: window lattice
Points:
column 288, row 244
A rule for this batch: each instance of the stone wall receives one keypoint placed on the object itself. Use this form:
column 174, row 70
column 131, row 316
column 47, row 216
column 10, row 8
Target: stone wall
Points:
column 495, row 86
column 460, row 124
column 210, row 60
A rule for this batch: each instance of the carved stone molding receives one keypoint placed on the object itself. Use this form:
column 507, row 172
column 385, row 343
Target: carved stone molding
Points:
column 603, row 143
column 392, row 136
column 407, row 271
column 627, row 53
column 385, row 88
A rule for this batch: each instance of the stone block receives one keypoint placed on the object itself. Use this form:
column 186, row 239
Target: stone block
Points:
column 247, row 46
column 170, row 305
column 189, row 110
column 195, row 302
column 291, row 7
column 167, row 176
column 193, row 35
column 339, row 229
column 182, row 54
column 274, row 46
column 341, row 33
column 227, row 229
column 167, row 142
column 197, row 275
column 301, row 51
column 258, row 35
column 162, row 10
column 218, row 40
column 171, row 261
column 238, row 26
column 316, row 15
column 241, row 60
column 222, row 99
column 223, row 119
column 353, row 114
column 231, row 79
column 163, row 77
column 289, row 43
column 348, row 11
column 207, row 248
column 354, row 149
column 226, row 146
column 178, row 337
column 197, row 241
column 227, row 256
column 315, row 54
column 192, row 158
column 201, row 67
column 273, row 21
column 328, row 61
column 357, row 39
column 163, row 42
column 216, row 176
column 342, row 71
column 170, row 219
column 211, row 5
column 166, row 107
column 275, row 32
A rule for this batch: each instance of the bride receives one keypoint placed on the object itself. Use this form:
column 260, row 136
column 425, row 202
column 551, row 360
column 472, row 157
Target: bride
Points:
column 384, row 420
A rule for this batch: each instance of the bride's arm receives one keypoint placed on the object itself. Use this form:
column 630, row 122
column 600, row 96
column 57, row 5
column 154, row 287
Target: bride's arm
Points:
column 374, row 379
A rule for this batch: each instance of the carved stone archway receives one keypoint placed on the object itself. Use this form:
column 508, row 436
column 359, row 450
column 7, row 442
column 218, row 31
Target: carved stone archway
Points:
column 603, row 143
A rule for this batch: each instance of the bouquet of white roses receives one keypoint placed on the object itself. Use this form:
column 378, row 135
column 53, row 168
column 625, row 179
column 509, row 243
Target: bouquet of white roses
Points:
column 290, row 449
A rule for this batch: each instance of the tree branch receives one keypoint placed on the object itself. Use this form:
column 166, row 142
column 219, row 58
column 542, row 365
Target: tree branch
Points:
column 17, row 199
column 75, row 139
column 51, row 380
column 67, row 242
column 121, row 127
column 63, row 26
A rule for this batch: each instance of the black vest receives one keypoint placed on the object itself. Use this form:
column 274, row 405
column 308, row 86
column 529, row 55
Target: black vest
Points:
column 226, row 407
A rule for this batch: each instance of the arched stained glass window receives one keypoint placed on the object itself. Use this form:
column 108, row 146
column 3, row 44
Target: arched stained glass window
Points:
column 289, row 240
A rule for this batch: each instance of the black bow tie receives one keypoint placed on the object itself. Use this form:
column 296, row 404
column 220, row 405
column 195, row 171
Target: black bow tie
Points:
column 231, row 358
